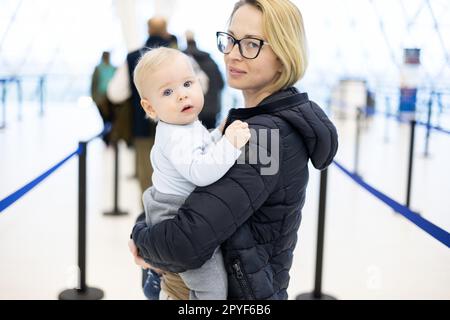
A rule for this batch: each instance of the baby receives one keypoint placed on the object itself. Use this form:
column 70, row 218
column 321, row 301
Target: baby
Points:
column 185, row 155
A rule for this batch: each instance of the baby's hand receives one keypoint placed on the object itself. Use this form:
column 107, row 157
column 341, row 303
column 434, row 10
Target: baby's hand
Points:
column 222, row 125
column 238, row 133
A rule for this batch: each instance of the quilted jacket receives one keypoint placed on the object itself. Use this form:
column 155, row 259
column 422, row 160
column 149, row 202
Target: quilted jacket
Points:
column 254, row 211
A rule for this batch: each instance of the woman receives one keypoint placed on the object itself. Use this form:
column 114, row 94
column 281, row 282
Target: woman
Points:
column 254, row 211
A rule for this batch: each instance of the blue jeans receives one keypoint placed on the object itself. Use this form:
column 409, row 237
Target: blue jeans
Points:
column 152, row 285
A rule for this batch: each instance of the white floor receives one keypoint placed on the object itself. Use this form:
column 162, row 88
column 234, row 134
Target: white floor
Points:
column 370, row 252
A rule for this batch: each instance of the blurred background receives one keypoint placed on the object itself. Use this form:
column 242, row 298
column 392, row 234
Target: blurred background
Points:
column 62, row 40
column 388, row 59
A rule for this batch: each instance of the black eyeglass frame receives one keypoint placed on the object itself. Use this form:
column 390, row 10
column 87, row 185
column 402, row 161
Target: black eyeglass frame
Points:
column 238, row 42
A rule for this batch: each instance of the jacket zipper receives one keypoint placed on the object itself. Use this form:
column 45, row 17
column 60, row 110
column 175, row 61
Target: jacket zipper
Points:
column 242, row 280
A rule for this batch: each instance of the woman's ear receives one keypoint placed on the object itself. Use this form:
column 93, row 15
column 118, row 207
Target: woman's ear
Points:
column 149, row 110
column 280, row 66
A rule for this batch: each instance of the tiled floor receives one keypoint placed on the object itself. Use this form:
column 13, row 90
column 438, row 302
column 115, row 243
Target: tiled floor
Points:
column 370, row 252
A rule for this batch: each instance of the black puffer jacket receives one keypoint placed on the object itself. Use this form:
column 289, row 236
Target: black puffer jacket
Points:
column 254, row 216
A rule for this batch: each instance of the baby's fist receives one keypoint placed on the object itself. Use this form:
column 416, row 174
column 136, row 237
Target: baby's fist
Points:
column 238, row 133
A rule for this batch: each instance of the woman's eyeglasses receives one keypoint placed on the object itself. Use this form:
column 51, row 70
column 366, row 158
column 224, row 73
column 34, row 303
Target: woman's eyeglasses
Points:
column 248, row 47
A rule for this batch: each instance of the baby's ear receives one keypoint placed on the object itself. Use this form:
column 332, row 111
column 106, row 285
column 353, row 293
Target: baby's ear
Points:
column 149, row 110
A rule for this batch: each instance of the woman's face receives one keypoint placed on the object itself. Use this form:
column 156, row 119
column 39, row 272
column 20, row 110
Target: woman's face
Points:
column 250, row 75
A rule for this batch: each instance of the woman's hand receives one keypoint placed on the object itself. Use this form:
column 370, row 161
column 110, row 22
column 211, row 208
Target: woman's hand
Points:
column 138, row 259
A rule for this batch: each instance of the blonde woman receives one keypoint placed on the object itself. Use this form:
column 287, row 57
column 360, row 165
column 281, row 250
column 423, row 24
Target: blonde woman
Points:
column 254, row 211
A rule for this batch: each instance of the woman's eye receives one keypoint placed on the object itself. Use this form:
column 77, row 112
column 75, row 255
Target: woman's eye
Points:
column 253, row 45
column 167, row 92
column 187, row 84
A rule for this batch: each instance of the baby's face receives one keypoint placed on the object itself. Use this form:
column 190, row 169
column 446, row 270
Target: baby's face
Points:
column 174, row 93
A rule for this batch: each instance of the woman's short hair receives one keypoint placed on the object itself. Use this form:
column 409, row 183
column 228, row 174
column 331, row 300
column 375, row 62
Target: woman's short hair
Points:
column 150, row 62
column 284, row 30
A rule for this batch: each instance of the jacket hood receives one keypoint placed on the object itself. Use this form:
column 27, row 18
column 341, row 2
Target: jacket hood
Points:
column 307, row 118
column 318, row 132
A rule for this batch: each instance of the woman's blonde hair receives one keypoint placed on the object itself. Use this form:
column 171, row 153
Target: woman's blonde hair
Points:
column 148, row 63
column 284, row 30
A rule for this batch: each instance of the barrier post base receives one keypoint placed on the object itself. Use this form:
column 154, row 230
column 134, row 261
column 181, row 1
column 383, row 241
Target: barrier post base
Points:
column 312, row 296
column 116, row 213
column 76, row 294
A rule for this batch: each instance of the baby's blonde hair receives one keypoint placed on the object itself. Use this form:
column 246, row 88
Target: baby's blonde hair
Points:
column 148, row 63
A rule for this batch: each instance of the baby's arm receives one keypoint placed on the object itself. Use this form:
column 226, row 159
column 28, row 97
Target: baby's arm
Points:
column 217, row 133
column 203, row 168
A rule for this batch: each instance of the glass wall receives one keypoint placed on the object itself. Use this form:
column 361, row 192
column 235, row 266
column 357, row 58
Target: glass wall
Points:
column 63, row 39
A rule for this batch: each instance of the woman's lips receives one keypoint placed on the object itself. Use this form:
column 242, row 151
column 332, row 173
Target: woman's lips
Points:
column 235, row 71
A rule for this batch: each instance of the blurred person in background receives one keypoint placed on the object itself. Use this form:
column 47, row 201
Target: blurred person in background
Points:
column 102, row 75
column 122, row 88
column 213, row 94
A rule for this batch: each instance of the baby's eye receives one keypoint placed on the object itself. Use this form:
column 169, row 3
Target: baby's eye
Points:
column 187, row 84
column 167, row 92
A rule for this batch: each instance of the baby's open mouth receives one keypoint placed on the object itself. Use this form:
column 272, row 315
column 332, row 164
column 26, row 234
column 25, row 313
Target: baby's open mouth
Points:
column 186, row 108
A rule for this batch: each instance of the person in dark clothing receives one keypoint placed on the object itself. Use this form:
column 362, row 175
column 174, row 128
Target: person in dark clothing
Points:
column 122, row 88
column 142, row 127
column 213, row 98
column 254, row 211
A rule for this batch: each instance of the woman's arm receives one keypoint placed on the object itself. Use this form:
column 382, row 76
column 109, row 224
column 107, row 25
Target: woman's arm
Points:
column 209, row 216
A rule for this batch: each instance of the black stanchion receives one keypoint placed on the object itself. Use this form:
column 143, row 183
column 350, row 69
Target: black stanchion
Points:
column 134, row 175
column 410, row 162
column 116, row 211
column 83, row 292
column 317, row 293
column 358, row 133
column 427, row 136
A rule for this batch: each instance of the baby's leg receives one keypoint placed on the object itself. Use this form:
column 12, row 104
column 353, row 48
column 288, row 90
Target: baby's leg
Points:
column 209, row 282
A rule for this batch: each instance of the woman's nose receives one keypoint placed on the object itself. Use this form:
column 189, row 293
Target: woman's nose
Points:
column 235, row 53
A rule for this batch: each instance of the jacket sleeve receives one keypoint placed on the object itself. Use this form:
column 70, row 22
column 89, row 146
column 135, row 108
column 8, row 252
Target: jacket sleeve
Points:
column 209, row 216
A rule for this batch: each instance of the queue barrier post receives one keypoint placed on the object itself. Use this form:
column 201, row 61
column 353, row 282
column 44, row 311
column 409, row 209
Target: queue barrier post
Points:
column 116, row 211
column 83, row 292
column 317, row 294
